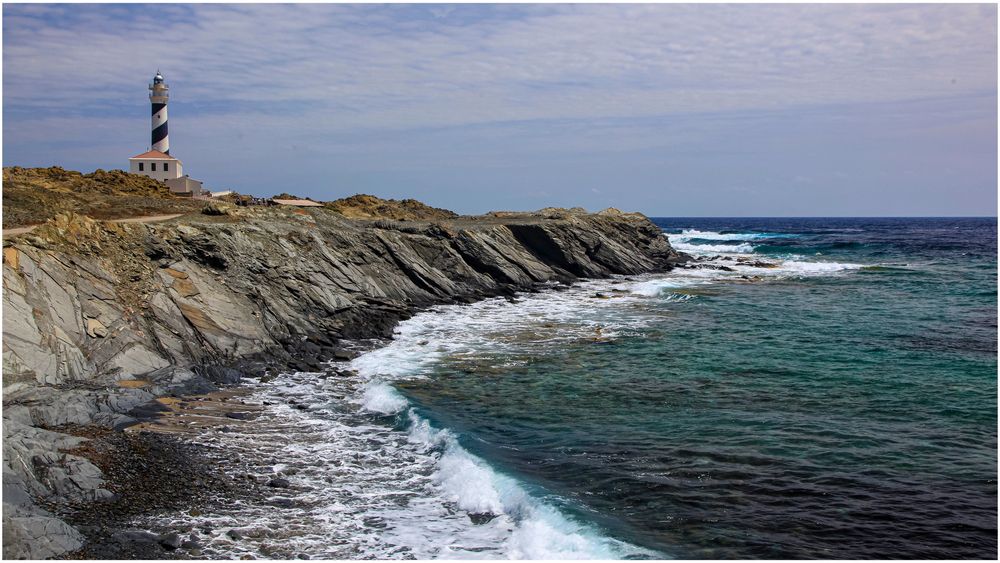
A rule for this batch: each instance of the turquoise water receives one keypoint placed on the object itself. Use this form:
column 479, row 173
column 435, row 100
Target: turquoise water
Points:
column 840, row 405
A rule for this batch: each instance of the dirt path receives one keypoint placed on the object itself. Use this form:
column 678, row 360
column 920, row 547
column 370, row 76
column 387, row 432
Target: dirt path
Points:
column 144, row 219
column 17, row 231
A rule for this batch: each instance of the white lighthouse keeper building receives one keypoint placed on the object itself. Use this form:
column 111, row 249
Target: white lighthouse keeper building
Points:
column 156, row 165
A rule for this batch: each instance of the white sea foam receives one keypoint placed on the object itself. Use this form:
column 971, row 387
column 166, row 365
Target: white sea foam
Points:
column 499, row 327
column 682, row 242
column 688, row 234
column 712, row 248
column 548, row 535
column 657, row 286
column 534, row 529
column 817, row 267
column 464, row 479
column 721, row 254
column 737, row 243
column 788, row 269
column 382, row 398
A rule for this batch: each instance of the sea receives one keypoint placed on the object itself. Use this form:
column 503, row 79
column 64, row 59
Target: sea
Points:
column 815, row 388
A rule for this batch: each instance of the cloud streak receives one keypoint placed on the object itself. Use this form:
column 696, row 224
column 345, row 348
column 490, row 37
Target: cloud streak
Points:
column 398, row 67
column 553, row 77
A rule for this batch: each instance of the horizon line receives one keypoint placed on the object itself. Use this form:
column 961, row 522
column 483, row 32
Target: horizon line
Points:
column 821, row 216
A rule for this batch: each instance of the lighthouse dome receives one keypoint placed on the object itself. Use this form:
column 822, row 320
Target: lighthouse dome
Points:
column 158, row 79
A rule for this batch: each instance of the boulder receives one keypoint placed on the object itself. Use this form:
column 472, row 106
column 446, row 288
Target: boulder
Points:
column 96, row 329
column 169, row 541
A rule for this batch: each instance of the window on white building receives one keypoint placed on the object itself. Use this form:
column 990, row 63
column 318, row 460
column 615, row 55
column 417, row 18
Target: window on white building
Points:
column 165, row 166
column 140, row 167
column 152, row 166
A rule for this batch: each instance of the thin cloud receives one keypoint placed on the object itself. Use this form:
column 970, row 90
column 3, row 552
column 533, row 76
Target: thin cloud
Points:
column 362, row 67
column 411, row 88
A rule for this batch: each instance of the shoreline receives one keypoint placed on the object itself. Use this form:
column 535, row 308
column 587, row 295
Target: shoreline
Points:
column 170, row 426
column 149, row 472
column 202, row 476
column 193, row 303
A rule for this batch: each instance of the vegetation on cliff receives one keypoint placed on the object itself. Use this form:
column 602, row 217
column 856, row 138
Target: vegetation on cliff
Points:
column 35, row 195
column 32, row 196
column 364, row 206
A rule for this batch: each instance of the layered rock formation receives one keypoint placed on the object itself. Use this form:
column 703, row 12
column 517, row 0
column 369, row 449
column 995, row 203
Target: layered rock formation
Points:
column 100, row 318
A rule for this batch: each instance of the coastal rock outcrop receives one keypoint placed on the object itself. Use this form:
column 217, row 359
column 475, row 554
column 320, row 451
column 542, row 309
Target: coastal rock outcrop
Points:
column 101, row 318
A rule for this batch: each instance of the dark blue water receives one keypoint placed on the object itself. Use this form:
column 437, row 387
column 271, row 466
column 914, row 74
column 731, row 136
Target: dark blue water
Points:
column 840, row 405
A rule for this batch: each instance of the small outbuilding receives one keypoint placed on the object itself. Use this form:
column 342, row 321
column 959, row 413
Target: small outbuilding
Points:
column 186, row 186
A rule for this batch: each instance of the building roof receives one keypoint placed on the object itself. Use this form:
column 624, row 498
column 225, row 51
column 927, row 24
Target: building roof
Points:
column 298, row 202
column 153, row 155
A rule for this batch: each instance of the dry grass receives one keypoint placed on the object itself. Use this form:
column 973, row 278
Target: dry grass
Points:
column 370, row 207
column 35, row 195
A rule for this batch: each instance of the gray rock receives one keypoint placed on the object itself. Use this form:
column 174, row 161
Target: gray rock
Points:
column 169, row 541
column 480, row 518
column 282, row 502
column 341, row 354
column 219, row 374
column 138, row 536
column 96, row 329
column 37, row 537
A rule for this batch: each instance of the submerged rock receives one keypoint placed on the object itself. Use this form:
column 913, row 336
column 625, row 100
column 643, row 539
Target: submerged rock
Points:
column 755, row 263
column 480, row 518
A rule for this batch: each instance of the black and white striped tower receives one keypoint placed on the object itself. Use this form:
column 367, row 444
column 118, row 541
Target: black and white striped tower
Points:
column 159, row 92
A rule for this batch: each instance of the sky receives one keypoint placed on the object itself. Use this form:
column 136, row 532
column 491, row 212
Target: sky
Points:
column 667, row 109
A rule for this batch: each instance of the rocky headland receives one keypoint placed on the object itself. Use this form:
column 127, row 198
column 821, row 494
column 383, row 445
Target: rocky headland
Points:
column 103, row 321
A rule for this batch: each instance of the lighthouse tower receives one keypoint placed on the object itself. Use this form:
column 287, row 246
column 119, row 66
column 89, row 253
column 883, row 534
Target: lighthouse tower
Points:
column 159, row 92
column 157, row 162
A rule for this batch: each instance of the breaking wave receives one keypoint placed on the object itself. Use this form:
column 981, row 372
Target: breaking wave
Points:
column 715, row 247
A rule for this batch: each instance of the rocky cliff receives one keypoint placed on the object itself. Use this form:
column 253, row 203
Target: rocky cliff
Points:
column 100, row 318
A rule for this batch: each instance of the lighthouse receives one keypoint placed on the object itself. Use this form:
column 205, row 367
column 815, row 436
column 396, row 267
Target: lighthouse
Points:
column 157, row 162
column 159, row 93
